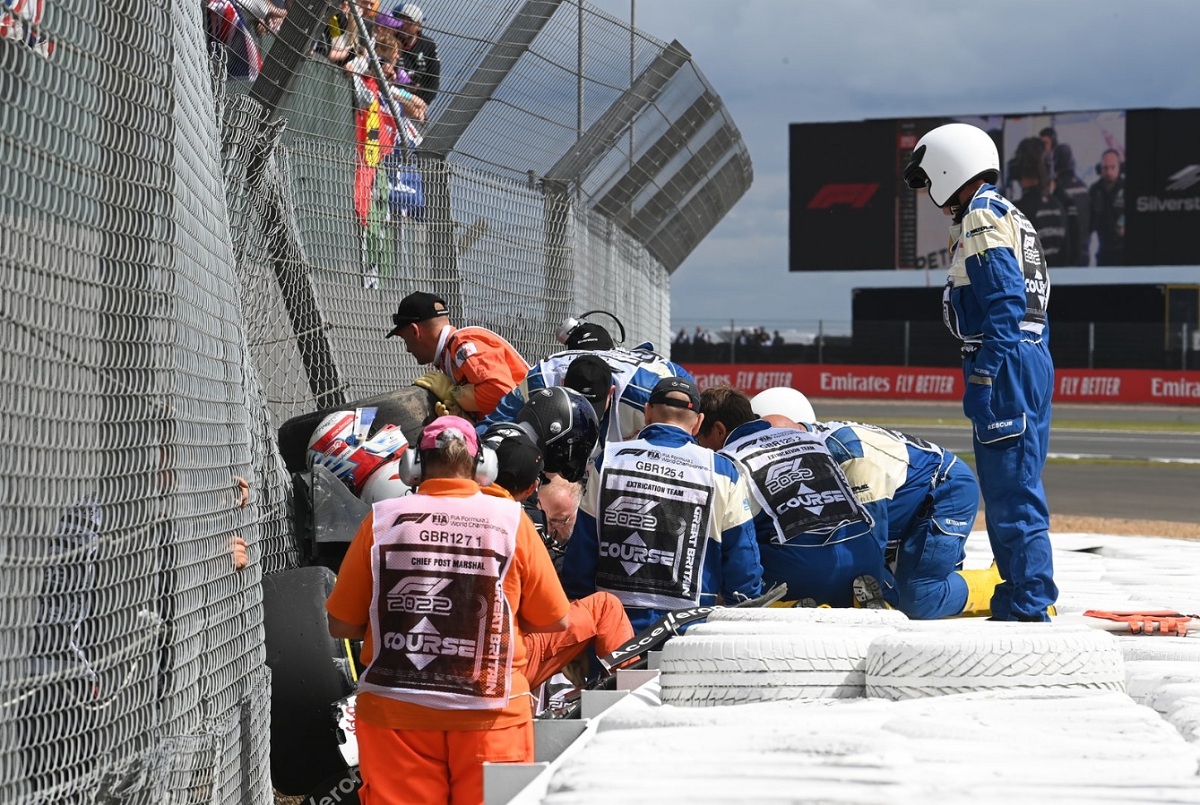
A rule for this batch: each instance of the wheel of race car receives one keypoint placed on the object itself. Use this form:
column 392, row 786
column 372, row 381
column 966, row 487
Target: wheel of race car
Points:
column 916, row 664
column 309, row 672
column 409, row 408
column 845, row 616
column 708, row 670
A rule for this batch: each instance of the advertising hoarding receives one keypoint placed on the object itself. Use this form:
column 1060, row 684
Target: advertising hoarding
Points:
column 1133, row 177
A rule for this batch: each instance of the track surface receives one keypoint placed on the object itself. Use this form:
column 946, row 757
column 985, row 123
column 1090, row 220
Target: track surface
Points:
column 1114, row 471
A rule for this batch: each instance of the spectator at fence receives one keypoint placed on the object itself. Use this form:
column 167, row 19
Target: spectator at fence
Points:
column 420, row 68
column 427, row 722
column 366, row 91
column 376, row 131
column 238, row 549
column 682, row 339
column 229, row 37
column 264, row 15
column 474, row 367
column 338, row 39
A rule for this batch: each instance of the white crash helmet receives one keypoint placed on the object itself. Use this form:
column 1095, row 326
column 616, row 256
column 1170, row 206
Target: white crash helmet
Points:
column 786, row 401
column 948, row 157
column 335, row 446
column 384, row 483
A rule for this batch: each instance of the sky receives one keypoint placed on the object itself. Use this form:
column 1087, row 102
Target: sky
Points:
column 776, row 62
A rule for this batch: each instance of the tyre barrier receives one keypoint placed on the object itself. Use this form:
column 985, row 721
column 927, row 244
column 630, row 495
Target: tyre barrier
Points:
column 1029, row 657
column 709, row 670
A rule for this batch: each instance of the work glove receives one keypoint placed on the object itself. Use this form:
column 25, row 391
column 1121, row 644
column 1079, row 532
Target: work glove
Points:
column 977, row 400
column 441, row 387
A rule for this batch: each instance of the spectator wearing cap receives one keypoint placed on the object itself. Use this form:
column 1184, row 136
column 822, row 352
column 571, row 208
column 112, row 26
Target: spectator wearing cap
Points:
column 421, row 68
column 428, row 720
column 476, row 365
column 666, row 523
column 632, row 374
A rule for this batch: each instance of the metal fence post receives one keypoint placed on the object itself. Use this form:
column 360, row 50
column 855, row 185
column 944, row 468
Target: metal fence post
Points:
column 1091, row 344
column 821, row 341
column 907, row 336
column 1183, row 347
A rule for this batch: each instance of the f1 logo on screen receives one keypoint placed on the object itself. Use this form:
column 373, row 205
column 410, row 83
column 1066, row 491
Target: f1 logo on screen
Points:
column 851, row 194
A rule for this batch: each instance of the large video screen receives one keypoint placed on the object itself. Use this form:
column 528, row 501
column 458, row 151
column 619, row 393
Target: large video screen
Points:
column 1127, row 183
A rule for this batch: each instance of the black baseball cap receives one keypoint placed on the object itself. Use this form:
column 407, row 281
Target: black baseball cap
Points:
column 589, row 336
column 676, row 385
column 591, row 377
column 417, row 306
column 519, row 462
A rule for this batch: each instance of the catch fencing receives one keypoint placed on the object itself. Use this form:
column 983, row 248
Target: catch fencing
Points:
column 184, row 269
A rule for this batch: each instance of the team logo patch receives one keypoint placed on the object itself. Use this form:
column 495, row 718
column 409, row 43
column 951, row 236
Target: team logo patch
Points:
column 425, row 643
column 463, row 352
column 631, row 513
column 419, row 594
column 814, row 501
column 634, row 554
column 1029, row 247
column 783, row 475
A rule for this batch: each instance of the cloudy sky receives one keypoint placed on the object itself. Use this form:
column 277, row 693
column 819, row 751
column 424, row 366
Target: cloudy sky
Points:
column 776, row 62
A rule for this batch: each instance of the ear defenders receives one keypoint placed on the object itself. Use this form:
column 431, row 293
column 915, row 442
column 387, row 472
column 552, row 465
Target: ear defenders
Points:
column 487, row 466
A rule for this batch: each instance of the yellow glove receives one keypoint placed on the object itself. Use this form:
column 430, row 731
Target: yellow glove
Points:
column 441, row 409
column 442, row 387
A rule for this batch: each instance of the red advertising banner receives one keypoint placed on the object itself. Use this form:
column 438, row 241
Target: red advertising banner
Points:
column 921, row 383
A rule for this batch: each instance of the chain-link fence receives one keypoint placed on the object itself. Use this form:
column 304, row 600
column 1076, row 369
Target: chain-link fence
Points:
column 194, row 250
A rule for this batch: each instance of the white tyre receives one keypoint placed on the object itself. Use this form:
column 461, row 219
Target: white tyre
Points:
column 1143, row 678
column 706, row 670
column 916, row 664
column 869, row 630
column 1185, row 717
column 1157, row 647
column 848, row 617
column 1173, row 695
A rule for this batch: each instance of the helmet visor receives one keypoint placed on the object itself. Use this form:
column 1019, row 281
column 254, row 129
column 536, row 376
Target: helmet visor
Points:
column 914, row 175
